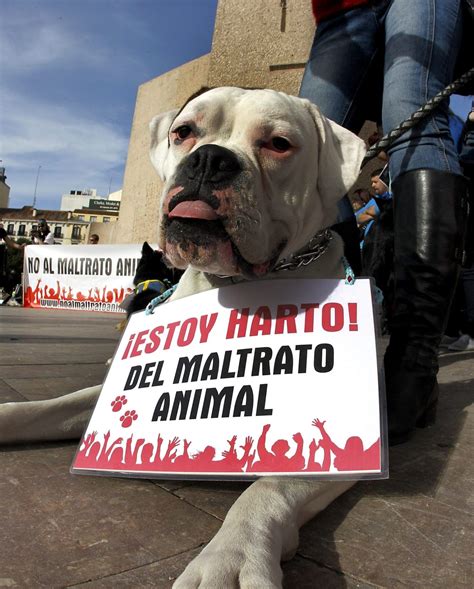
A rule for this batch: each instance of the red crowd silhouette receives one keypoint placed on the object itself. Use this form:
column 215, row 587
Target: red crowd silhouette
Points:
column 140, row 454
column 33, row 296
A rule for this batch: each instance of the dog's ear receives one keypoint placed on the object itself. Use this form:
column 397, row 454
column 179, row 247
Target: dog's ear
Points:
column 159, row 147
column 340, row 154
column 147, row 250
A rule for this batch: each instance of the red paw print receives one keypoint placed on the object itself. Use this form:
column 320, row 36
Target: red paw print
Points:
column 128, row 418
column 119, row 402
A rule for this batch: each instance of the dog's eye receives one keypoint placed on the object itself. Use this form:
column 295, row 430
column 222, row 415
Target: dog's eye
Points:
column 182, row 132
column 280, row 144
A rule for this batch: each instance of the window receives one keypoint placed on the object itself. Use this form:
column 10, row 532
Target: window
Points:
column 57, row 231
column 21, row 229
column 10, row 229
column 76, row 232
column 93, row 218
column 106, row 220
column 80, row 217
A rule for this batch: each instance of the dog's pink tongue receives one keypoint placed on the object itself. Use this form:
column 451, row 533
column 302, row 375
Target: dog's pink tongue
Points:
column 194, row 209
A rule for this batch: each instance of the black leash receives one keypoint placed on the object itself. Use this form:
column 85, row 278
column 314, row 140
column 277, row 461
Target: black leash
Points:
column 417, row 116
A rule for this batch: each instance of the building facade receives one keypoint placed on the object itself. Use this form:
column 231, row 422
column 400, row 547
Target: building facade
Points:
column 4, row 189
column 100, row 213
column 66, row 228
column 89, row 199
column 96, row 216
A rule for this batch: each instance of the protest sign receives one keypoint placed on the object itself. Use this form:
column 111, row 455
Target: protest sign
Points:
column 79, row 277
column 275, row 376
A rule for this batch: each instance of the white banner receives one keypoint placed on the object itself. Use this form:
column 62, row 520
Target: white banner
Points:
column 79, row 277
column 275, row 376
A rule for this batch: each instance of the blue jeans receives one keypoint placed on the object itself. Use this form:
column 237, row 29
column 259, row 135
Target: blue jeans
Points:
column 383, row 61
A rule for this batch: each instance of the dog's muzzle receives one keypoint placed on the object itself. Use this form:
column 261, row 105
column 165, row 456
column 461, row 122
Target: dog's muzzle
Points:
column 199, row 215
column 205, row 171
column 195, row 216
column 211, row 164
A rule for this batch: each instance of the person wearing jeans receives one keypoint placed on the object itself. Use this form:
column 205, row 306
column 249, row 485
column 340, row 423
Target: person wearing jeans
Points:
column 466, row 156
column 403, row 53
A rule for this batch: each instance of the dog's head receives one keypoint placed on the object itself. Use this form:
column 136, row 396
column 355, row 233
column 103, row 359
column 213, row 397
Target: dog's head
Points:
column 250, row 176
column 151, row 266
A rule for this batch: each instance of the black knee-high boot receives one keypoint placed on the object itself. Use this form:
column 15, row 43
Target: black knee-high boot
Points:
column 430, row 212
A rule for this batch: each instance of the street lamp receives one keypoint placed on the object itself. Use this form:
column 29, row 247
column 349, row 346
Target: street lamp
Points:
column 36, row 186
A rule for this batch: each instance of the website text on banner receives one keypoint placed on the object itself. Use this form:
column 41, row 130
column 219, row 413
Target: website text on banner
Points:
column 79, row 277
column 242, row 381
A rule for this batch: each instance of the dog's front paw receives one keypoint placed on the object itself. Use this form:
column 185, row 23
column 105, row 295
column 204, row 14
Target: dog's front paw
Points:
column 235, row 559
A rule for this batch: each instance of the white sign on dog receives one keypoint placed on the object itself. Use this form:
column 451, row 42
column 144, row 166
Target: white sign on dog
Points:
column 259, row 378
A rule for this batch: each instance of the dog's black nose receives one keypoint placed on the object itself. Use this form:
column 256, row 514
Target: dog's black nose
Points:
column 212, row 163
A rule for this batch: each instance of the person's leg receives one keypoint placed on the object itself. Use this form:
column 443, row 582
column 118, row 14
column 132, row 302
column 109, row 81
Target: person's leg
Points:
column 346, row 228
column 421, row 46
column 339, row 73
column 3, row 265
column 467, row 280
column 340, row 77
column 430, row 202
column 454, row 322
column 466, row 340
column 467, row 163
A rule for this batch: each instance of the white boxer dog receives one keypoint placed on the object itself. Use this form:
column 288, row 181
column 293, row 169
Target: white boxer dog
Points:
column 251, row 180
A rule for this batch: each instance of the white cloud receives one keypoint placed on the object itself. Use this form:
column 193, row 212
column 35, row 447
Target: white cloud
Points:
column 36, row 42
column 33, row 127
column 47, row 44
column 74, row 151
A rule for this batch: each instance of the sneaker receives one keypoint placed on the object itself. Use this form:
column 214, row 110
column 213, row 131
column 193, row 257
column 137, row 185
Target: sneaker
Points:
column 12, row 303
column 447, row 340
column 462, row 344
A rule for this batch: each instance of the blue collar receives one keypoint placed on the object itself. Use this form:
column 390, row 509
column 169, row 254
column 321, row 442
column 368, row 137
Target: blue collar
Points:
column 158, row 285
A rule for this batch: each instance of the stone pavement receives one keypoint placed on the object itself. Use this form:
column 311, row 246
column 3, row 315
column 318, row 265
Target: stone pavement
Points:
column 59, row 530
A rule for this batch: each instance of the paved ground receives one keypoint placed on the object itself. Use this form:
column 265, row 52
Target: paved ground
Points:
column 59, row 530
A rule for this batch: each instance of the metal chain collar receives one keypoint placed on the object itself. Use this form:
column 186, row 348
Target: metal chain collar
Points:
column 316, row 248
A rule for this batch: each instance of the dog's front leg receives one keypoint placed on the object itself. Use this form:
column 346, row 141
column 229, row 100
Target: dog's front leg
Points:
column 259, row 531
column 64, row 418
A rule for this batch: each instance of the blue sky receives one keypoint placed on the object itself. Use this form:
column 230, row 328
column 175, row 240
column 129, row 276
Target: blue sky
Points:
column 69, row 73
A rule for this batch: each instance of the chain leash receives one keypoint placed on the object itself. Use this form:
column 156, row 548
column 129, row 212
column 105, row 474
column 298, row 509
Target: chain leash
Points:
column 388, row 139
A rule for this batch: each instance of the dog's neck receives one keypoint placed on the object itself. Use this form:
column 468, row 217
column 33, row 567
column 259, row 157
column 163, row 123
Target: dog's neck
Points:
column 325, row 244
column 302, row 265
column 308, row 254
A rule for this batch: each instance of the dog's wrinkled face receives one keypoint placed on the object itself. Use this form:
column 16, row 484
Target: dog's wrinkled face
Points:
column 250, row 176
